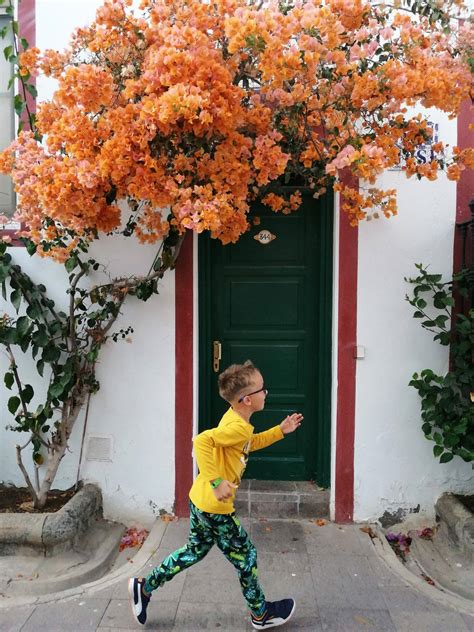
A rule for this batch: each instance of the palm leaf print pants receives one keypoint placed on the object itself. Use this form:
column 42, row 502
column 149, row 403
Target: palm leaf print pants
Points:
column 205, row 530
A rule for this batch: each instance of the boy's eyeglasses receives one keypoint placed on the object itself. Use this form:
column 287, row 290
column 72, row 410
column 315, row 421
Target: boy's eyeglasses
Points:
column 265, row 390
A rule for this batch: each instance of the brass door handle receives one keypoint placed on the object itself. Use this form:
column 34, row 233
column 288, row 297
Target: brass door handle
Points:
column 216, row 355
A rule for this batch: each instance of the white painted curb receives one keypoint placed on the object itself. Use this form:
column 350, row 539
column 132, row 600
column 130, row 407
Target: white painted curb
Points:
column 436, row 593
column 141, row 558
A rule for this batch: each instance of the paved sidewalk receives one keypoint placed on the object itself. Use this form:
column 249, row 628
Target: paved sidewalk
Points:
column 339, row 579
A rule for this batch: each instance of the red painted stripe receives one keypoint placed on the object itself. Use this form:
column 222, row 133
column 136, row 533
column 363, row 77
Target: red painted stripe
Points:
column 346, row 369
column 27, row 29
column 184, row 376
column 465, row 186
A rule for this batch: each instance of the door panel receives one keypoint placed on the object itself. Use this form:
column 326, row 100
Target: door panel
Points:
column 271, row 303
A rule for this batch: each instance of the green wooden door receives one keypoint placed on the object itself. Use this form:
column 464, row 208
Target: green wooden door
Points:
column 271, row 302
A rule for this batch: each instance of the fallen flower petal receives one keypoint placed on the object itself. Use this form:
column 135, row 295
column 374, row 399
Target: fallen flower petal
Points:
column 133, row 537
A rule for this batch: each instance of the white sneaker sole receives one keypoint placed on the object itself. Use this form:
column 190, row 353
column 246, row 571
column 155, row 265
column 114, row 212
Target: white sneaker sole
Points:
column 277, row 622
column 132, row 599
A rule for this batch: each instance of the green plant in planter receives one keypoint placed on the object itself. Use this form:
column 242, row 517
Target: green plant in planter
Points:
column 65, row 347
column 447, row 408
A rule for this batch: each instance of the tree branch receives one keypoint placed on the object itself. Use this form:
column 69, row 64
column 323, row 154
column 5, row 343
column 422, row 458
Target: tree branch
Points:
column 24, row 472
column 72, row 320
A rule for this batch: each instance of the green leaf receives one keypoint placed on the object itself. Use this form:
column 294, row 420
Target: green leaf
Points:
column 40, row 336
column 38, row 458
column 24, row 343
column 8, row 52
column 23, row 326
column 421, row 288
column 34, row 311
column 8, row 335
column 19, row 104
column 441, row 320
column 27, row 393
column 91, row 355
column 9, row 379
column 13, row 404
column 446, row 457
column 438, row 450
column 40, row 367
column 32, row 90
column 71, row 263
column 30, row 247
column 426, row 428
column 15, row 299
column 55, row 390
column 451, row 440
column 50, row 353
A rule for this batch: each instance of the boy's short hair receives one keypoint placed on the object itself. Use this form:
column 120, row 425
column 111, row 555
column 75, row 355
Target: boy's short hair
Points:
column 235, row 379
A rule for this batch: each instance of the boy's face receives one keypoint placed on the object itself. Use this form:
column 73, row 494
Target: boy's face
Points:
column 257, row 393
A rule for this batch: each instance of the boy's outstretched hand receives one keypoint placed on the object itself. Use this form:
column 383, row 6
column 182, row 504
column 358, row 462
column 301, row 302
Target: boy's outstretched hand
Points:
column 291, row 423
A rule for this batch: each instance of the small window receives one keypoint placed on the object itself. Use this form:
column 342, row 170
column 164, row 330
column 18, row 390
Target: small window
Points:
column 7, row 117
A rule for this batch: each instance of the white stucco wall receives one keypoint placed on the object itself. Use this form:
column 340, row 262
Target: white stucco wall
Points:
column 394, row 464
column 135, row 406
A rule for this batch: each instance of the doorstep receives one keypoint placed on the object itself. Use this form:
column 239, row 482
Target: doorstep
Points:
column 281, row 499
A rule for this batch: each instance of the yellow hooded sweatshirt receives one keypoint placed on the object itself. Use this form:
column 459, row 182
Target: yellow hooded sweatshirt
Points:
column 223, row 452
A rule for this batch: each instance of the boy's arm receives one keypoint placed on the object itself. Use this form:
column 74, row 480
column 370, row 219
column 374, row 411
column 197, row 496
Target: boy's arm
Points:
column 205, row 442
column 264, row 439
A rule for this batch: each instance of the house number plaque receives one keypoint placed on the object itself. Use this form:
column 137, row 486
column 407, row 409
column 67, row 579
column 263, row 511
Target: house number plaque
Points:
column 264, row 237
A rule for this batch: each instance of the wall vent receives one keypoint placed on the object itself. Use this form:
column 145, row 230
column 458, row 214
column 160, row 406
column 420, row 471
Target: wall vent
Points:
column 99, row 448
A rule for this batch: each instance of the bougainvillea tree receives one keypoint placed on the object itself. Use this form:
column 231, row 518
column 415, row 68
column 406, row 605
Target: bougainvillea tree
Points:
column 201, row 107
column 176, row 115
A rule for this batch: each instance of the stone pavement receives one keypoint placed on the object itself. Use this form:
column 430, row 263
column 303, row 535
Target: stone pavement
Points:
column 340, row 578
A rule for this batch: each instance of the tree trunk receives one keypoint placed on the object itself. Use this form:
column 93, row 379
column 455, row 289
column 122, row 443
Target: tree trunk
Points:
column 55, row 455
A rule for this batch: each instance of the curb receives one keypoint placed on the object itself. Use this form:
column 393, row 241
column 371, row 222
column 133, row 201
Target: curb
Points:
column 436, row 593
column 459, row 522
column 50, row 532
column 139, row 560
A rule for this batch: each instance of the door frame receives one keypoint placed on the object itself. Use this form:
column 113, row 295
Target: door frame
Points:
column 323, row 389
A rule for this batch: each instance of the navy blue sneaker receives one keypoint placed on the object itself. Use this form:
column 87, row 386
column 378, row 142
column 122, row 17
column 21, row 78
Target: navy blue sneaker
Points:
column 139, row 600
column 276, row 613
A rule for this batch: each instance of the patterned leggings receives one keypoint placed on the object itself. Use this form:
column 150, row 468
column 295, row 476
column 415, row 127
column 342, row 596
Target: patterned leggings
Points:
column 207, row 529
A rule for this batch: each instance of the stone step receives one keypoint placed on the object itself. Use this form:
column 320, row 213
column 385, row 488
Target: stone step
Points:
column 281, row 499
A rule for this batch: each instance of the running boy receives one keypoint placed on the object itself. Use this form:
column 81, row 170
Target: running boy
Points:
column 222, row 455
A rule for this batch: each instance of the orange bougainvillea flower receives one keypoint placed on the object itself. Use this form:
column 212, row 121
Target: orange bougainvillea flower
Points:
column 191, row 111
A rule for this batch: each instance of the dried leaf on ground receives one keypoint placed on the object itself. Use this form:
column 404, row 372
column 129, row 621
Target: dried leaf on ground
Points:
column 400, row 543
column 362, row 620
column 428, row 579
column 370, row 532
column 168, row 517
column 133, row 537
column 427, row 533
